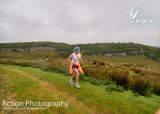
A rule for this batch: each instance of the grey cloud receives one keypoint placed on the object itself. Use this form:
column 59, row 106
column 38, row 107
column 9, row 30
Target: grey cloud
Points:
column 78, row 21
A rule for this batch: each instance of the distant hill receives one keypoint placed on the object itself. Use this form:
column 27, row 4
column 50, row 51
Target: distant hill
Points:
column 101, row 49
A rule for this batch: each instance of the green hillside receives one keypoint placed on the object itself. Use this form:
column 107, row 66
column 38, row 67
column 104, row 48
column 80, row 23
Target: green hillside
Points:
column 102, row 49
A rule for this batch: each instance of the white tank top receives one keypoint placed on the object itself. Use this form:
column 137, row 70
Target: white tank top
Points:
column 75, row 58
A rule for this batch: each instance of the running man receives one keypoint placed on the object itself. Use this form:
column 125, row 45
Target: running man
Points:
column 75, row 66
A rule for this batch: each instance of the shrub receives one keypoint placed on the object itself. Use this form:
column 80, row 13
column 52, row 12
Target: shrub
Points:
column 120, row 76
column 101, row 63
column 136, row 70
column 24, row 64
column 156, row 88
column 94, row 62
column 91, row 80
column 136, row 94
column 83, row 77
column 139, row 85
column 95, row 81
column 114, row 87
column 108, row 82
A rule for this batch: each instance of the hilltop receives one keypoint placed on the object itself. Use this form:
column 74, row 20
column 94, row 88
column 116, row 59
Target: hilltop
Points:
column 100, row 49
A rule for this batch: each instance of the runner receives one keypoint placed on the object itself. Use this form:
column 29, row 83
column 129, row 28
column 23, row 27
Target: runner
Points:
column 75, row 66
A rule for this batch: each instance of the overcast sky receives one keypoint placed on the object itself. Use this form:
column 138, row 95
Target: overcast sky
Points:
column 79, row 21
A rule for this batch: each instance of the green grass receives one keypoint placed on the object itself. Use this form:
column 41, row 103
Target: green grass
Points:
column 21, row 83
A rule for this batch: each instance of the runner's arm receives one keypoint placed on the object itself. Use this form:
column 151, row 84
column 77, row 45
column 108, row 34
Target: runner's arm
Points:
column 70, row 58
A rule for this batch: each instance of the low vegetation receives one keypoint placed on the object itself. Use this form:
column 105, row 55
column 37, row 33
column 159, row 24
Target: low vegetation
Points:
column 131, row 73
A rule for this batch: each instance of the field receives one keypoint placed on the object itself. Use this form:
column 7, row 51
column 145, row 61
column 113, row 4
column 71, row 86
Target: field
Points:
column 111, row 85
column 137, row 73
